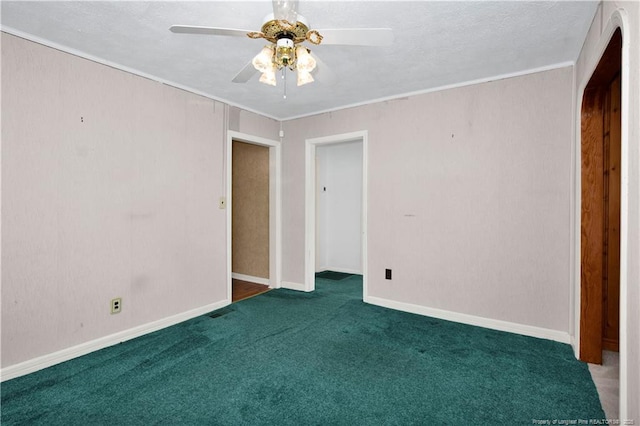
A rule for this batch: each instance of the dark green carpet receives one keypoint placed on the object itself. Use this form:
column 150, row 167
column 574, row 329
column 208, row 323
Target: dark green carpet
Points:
column 327, row 358
column 332, row 275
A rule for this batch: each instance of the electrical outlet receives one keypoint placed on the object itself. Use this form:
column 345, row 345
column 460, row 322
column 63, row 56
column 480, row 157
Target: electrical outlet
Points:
column 387, row 274
column 222, row 203
column 116, row 305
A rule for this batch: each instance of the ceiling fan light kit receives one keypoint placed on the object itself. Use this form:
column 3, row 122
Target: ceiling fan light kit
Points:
column 284, row 54
column 285, row 50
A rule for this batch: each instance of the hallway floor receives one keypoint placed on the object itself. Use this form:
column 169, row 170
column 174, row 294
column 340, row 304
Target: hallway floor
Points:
column 244, row 289
column 607, row 380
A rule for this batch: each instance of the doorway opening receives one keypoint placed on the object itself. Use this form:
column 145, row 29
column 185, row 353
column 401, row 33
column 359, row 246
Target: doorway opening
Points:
column 253, row 215
column 600, row 207
column 336, row 208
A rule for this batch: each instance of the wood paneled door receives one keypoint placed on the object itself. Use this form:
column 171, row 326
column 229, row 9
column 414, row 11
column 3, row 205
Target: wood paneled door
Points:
column 600, row 207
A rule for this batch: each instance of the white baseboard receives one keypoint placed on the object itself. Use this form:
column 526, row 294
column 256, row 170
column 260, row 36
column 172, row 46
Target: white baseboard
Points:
column 293, row 286
column 39, row 363
column 511, row 327
column 49, row 360
column 251, row 279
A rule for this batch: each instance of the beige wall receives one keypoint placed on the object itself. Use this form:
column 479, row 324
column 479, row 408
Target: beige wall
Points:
column 250, row 210
column 110, row 185
column 610, row 15
column 469, row 193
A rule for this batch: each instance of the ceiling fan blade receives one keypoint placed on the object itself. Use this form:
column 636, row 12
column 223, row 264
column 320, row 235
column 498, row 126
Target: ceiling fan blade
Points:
column 323, row 73
column 191, row 29
column 358, row 36
column 245, row 73
column 286, row 10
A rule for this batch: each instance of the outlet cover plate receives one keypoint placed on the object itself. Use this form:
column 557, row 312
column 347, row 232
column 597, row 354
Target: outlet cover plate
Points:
column 116, row 305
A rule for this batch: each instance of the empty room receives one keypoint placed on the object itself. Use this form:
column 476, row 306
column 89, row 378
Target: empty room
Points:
column 320, row 212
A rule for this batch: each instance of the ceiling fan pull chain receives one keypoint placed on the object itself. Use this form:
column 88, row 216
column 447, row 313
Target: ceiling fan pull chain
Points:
column 284, row 83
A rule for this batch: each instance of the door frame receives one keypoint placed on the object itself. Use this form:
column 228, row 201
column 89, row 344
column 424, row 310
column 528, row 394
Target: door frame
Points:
column 617, row 20
column 593, row 212
column 311, row 197
column 275, row 203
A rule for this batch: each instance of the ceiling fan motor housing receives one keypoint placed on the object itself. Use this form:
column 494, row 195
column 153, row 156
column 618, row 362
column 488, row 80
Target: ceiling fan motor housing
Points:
column 275, row 29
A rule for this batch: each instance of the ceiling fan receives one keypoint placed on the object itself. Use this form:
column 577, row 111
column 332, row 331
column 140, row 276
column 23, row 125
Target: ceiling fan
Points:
column 286, row 31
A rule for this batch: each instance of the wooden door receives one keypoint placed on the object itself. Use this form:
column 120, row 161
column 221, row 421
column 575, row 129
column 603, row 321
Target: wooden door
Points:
column 600, row 208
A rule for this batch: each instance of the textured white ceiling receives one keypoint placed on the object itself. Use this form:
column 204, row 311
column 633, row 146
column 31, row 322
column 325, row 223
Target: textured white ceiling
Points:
column 436, row 44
